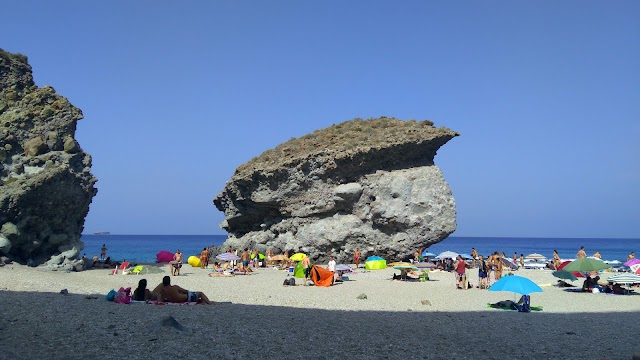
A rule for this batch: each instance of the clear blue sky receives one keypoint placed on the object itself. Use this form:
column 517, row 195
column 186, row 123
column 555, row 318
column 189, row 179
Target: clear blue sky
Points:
column 177, row 94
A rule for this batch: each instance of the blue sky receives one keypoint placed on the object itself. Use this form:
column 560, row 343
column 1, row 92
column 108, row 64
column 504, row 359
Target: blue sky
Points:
column 176, row 95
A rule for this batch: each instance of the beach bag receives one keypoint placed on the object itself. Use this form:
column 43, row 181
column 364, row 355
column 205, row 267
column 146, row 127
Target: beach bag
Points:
column 123, row 296
column 111, row 295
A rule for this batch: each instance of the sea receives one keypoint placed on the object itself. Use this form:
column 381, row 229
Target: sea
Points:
column 143, row 248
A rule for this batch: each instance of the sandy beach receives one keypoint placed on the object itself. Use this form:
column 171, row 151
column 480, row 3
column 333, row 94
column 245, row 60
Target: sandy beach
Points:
column 258, row 317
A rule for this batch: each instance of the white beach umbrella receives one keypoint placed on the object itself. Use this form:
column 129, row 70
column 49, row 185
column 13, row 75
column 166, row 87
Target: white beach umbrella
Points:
column 535, row 256
column 447, row 255
column 635, row 268
column 624, row 278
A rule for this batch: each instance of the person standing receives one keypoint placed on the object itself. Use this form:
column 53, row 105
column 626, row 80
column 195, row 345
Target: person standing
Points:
column 556, row 260
column 332, row 265
column 245, row 257
column 597, row 255
column 522, row 261
column 103, row 252
column 474, row 255
column 461, row 273
column 204, row 258
column 631, row 256
column 356, row 257
column 581, row 253
column 515, row 258
column 176, row 264
column 306, row 265
column 482, row 273
column 498, row 269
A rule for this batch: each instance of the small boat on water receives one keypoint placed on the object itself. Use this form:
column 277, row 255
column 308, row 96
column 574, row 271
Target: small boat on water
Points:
column 101, row 233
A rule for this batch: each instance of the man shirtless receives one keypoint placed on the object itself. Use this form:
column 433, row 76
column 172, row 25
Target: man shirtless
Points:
column 245, row 257
column 176, row 264
column 175, row 294
column 581, row 253
column 306, row 265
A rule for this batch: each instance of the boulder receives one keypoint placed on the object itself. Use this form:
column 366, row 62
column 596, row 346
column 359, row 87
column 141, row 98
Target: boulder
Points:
column 367, row 184
column 5, row 244
column 46, row 182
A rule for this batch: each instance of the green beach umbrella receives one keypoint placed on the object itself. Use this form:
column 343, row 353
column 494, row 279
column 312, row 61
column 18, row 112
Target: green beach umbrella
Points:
column 564, row 275
column 585, row 265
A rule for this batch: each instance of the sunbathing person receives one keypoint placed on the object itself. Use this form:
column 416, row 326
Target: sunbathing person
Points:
column 141, row 293
column 175, row 294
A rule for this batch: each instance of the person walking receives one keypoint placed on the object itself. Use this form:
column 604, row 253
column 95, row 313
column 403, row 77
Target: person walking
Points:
column 356, row 257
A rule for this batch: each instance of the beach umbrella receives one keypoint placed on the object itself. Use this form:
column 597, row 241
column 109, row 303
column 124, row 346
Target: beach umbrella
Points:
column 586, row 265
column 428, row 254
column 564, row 275
column 535, row 256
column 297, row 256
column 164, row 257
column 624, row 278
column 447, row 255
column 632, row 262
column 509, row 263
column 400, row 263
column 517, row 284
column 343, row 267
column 635, row 268
column 565, row 263
column 227, row 257
column 260, row 256
column 405, row 267
column 375, row 263
column 425, row 265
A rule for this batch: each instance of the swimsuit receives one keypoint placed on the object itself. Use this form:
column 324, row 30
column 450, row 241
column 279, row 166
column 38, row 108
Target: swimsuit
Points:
column 192, row 297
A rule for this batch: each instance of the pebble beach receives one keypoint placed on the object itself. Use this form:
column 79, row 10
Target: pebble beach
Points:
column 256, row 316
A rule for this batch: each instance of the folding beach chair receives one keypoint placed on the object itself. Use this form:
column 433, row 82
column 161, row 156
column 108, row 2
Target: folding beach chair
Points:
column 121, row 268
column 137, row 270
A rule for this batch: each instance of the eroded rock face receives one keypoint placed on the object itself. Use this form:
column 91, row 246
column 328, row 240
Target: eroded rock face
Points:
column 45, row 181
column 367, row 184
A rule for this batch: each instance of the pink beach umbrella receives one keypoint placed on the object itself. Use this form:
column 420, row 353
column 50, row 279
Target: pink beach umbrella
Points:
column 164, row 257
column 632, row 262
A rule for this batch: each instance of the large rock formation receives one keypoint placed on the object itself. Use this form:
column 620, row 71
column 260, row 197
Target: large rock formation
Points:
column 45, row 181
column 368, row 184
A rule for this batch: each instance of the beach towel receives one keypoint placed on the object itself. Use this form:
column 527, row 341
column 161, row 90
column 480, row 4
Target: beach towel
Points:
column 503, row 305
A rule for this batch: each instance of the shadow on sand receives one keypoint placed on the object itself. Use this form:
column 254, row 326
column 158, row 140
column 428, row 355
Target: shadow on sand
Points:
column 48, row 325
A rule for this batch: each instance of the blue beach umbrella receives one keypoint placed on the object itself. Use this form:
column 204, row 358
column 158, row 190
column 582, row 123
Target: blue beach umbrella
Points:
column 517, row 284
column 428, row 254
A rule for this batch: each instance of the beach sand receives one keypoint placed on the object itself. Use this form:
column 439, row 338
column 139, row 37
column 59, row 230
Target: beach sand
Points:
column 258, row 317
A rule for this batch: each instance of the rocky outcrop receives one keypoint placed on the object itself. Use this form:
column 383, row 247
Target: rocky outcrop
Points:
column 45, row 181
column 368, row 184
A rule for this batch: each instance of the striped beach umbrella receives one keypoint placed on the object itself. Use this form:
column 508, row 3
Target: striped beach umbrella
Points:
column 624, row 278
column 535, row 256
column 635, row 269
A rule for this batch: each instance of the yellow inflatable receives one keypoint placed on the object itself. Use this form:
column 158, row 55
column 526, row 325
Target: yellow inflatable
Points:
column 193, row 261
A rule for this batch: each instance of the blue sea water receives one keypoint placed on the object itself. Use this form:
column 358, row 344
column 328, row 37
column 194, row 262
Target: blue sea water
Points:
column 143, row 248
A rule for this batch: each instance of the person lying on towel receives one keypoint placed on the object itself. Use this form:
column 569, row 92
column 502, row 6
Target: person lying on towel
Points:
column 175, row 294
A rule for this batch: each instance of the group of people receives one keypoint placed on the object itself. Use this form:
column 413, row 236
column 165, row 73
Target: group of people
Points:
column 165, row 292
